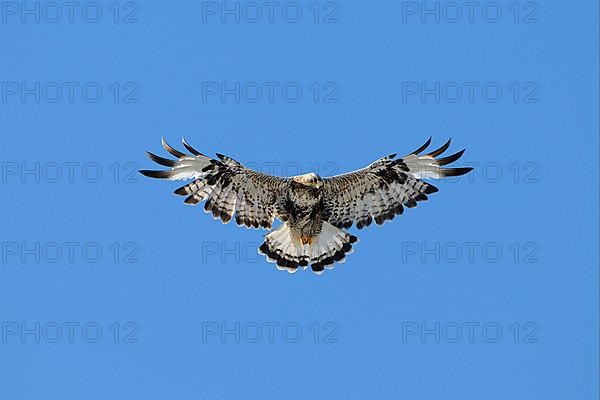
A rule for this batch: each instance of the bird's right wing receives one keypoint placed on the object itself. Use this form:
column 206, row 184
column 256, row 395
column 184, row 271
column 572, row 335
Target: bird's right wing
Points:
column 227, row 186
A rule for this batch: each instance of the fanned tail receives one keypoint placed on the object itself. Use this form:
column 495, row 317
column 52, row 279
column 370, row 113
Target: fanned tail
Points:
column 330, row 246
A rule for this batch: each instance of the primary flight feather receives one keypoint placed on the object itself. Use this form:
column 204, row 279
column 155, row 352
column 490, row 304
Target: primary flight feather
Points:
column 314, row 210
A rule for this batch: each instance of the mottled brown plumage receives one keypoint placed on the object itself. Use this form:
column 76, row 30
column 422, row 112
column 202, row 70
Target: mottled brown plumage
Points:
column 313, row 210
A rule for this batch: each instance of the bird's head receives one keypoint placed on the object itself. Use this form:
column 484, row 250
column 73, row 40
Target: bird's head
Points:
column 311, row 179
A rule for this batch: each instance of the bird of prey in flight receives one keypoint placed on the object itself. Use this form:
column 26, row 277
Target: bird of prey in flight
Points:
column 314, row 211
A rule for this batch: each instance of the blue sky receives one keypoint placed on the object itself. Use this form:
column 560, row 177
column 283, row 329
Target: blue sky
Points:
column 110, row 287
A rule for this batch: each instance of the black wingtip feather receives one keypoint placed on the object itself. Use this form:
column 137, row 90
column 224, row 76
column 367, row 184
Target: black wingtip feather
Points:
column 450, row 159
column 171, row 150
column 420, row 149
column 456, row 171
column 190, row 148
column 442, row 149
column 155, row 174
column 161, row 160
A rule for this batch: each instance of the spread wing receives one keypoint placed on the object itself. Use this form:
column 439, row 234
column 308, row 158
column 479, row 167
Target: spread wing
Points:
column 381, row 191
column 227, row 186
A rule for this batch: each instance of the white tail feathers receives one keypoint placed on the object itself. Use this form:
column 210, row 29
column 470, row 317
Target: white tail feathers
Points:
column 330, row 246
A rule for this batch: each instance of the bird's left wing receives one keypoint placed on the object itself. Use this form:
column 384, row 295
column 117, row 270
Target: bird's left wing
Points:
column 227, row 186
column 381, row 191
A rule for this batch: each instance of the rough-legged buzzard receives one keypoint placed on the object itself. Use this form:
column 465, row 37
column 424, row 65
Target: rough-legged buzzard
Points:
column 314, row 210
